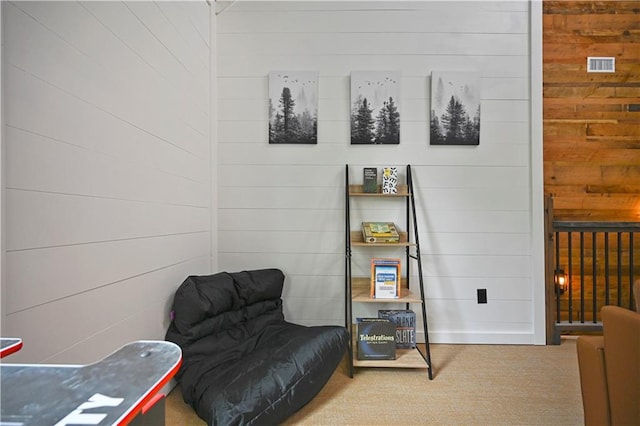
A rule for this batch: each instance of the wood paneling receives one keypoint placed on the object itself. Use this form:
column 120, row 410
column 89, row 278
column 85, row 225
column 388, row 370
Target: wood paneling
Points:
column 591, row 139
column 284, row 205
column 107, row 171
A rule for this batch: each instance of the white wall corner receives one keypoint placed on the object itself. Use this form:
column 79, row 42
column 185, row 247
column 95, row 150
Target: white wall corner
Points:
column 213, row 136
column 537, row 176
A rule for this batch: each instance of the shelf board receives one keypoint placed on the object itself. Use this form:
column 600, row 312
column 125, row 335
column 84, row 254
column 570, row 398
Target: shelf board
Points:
column 405, row 358
column 361, row 290
column 357, row 191
column 357, row 239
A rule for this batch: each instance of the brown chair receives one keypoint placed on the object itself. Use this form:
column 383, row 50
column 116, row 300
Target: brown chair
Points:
column 610, row 370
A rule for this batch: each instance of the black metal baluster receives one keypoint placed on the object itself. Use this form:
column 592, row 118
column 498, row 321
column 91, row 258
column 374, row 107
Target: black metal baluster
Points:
column 631, row 271
column 555, row 277
column 582, row 277
column 594, row 273
column 606, row 268
column 570, row 271
column 619, row 269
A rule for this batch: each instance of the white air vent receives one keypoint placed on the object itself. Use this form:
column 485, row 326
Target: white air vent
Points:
column 601, row 64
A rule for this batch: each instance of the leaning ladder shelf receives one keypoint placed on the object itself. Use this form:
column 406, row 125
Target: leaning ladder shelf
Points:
column 357, row 288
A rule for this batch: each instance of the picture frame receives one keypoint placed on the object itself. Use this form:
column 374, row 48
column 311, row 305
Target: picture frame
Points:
column 375, row 107
column 293, row 107
column 455, row 108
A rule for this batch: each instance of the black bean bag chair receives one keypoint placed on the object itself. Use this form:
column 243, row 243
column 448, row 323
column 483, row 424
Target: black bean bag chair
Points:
column 242, row 362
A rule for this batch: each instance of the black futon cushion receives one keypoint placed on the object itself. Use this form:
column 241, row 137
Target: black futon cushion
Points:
column 242, row 362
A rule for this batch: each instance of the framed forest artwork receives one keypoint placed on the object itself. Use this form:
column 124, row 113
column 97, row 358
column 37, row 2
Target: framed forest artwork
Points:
column 293, row 107
column 375, row 107
column 455, row 108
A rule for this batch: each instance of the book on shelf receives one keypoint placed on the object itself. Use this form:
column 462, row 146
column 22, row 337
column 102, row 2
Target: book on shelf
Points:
column 390, row 180
column 380, row 232
column 376, row 339
column 405, row 321
column 385, row 278
column 370, row 180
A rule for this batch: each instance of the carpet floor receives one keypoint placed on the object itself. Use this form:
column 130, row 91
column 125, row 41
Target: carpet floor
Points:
column 472, row 385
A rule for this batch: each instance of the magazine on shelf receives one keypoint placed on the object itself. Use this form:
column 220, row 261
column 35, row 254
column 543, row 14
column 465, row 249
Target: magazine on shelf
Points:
column 385, row 278
column 380, row 232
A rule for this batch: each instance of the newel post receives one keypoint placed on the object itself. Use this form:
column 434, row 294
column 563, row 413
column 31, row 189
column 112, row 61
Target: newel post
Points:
column 552, row 337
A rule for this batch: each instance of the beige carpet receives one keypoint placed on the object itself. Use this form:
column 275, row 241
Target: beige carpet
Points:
column 472, row 385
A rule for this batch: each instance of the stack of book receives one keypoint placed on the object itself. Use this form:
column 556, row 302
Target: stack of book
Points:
column 380, row 232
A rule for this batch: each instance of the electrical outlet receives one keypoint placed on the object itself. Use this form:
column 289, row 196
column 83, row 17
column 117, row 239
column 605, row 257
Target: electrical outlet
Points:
column 482, row 295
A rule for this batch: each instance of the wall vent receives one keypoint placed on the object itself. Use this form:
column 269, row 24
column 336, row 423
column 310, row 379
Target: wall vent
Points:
column 601, row 64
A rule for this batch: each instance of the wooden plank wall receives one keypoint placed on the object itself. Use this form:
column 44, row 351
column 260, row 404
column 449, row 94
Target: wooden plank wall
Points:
column 283, row 205
column 591, row 134
column 107, row 171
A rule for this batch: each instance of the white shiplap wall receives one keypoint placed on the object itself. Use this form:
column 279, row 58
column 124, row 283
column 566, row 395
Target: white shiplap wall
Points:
column 107, row 170
column 283, row 205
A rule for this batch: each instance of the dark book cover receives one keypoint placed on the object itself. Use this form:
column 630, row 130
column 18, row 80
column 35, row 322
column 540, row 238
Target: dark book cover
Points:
column 405, row 321
column 376, row 339
column 370, row 179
